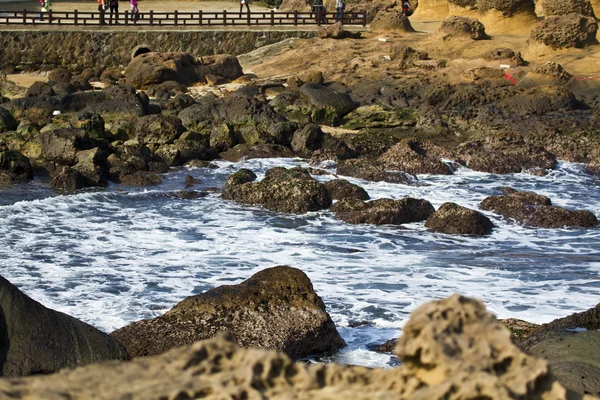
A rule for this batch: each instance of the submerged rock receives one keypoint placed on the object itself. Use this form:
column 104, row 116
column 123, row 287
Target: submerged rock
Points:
column 532, row 209
column 275, row 309
column 38, row 340
column 454, row 219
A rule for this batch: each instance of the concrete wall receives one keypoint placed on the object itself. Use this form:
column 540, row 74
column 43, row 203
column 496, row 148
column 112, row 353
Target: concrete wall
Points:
column 77, row 50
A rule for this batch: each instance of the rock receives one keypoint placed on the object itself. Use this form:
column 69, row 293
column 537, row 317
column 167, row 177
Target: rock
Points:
column 179, row 102
column 341, row 189
column 128, row 159
column 81, row 84
column 506, row 7
column 158, row 129
column 391, row 21
column 371, row 171
column 387, row 212
column 68, row 180
column 333, row 31
column 312, row 77
column 430, row 10
column 565, row 31
column 462, row 27
column 140, row 178
column 191, row 181
column 535, row 210
column 307, row 140
column 14, row 167
column 38, row 340
column 370, row 144
column 282, row 190
column 454, row 350
column 7, row 121
column 517, row 327
column 111, row 74
column 564, row 7
column 505, row 158
column 215, row 80
column 457, row 220
column 387, row 347
column 415, row 156
column 240, row 177
column 154, row 68
column 248, row 151
column 504, row 55
column 116, row 103
column 276, row 309
column 406, row 56
column 61, row 145
column 59, row 75
column 39, row 88
column 64, row 88
column 93, row 166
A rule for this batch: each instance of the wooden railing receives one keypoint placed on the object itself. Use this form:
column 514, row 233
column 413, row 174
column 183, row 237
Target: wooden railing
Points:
column 178, row 18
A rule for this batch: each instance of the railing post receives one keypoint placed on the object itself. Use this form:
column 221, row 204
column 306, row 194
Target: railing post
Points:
column 319, row 11
column 175, row 16
column 200, row 17
column 224, row 17
column 50, row 16
column 248, row 19
column 24, row 16
column 364, row 20
column 272, row 18
column 295, row 18
column 75, row 17
column 151, row 17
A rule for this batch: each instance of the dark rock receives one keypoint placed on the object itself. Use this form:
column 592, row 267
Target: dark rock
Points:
column 111, row 74
column 307, row 139
column 158, row 129
column 369, row 144
column 415, row 156
column 200, row 164
column 565, row 31
column 191, row 181
column 505, row 158
column 64, row 88
column 457, row 220
column 37, row 340
column 39, row 89
column 68, row 180
column 93, row 166
column 240, row 177
column 140, row 179
column 60, row 75
column 61, row 145
column 179, row 102
column 128, row 159
column 291, row 191
column 7, row 121
column 248, row 151
column 386, row 212
column 15, row 167
column 387, row 347
column 341, row 189
column 531, row 209
column 275, row 309
column 81, row 84
column 462, row 27
column 215, row 80
column 371, row 171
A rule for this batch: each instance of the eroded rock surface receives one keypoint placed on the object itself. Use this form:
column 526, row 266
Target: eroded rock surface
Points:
column 454, row 219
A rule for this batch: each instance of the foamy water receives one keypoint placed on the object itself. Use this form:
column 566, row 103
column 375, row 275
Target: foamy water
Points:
column 116, row 256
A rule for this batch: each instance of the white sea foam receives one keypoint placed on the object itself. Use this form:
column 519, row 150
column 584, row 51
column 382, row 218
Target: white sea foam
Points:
column 114, row 257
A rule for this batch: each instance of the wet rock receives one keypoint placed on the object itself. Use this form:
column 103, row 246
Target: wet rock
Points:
column 307, row 140
column 240, row 177
column 7, row 121
column 60, row 75
column 14, row 167
column 369, row 144
column 415, row 156
column 113, row 103
column 200, row 164
column 128, row 159
column 531, row 209
column 457, row 220
column 39, row 88
column 275, row 309
column 248, row 151
column 155, row 68
column 191, row 181
column 387, row 347
column 387, row 212
column 565, row 31
column 462, row 27
column 565, row 7
column 341, row 189
column 158, row 129
column 93, row 166
column 68, row 180
column 290, row 191
column 505, row 158
column 140, row 179
column 391, row 21
column 38, row 340
column 371, row 171
column 61, row 145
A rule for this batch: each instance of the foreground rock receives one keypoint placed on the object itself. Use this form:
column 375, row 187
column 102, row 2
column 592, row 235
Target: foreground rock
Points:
column 275, row 309
column 454, row 219
column 391, row 21
column 290, row 191
column 451, row 349
column 38, row 340
column 462, row 27
column 384, row 211
column 565, row 31
column 532, row 209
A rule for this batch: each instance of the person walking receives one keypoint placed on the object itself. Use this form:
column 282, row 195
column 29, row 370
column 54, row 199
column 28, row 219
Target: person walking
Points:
column 135, row 12
column 102, row 10
column 114, row 10
column 46, row 6
column 406, row 10
column 242, row 3
column 339, row 6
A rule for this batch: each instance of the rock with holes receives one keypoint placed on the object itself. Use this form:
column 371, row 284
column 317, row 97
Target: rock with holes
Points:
column 454, row 219
column 341, row 189
column 564, row 7
column 462, row 27
column 275, row 309
column 535, row 210
column 565, row 31
column 372, row 171
column 384, row 211
column 391, row 21
column 416, row 156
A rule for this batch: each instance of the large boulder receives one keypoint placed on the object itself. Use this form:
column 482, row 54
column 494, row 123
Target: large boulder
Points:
column 564, row 7
column 391, row 21
column 39, row 88
column 450, row 349
column 158, row 129
column 38, row 340
column 369, row 170
column 93, row 166
column 458, row 220
column 416, row 157
column 283, row 190
column 384, row 211
column 462, row 27
column 531, row 209
column 275, row 309
column 60, row 75
column 154, row 68
column 565, row 31
column 307, row 140
column 7, row 121
column 341, row 189
column 14, row 167
column 506, row 7
column 68, row 180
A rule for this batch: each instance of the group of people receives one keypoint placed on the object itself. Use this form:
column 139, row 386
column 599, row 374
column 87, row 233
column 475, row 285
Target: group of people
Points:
column 317, row 7
column 113, row 7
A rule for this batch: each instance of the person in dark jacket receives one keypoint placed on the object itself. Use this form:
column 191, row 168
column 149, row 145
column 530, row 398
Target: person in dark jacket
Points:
column 114, row 10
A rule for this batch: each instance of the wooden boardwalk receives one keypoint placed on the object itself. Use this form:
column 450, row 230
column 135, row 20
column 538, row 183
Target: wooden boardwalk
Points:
column 181, row 19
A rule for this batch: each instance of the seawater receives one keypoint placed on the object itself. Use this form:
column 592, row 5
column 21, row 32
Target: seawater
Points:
column 122, row 254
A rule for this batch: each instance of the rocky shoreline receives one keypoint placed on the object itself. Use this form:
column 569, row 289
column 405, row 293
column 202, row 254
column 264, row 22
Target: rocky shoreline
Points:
column 385, row 107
